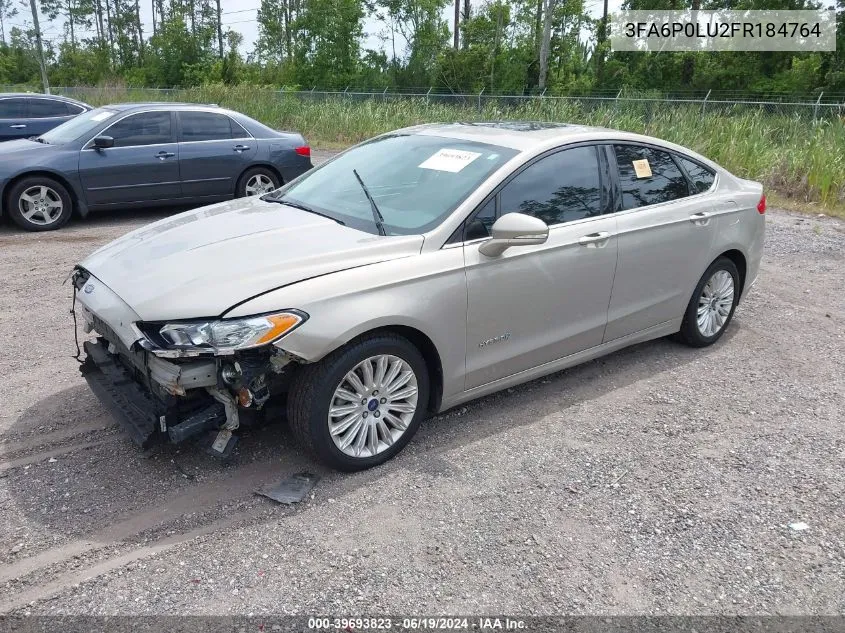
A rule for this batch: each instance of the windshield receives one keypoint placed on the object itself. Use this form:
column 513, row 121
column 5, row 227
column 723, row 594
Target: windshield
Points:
column 415, row 181
column 78, row 126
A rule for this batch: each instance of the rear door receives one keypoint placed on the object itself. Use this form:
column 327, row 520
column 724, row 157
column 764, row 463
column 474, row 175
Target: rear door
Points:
column 665, row 239
column 45, row 114
column 143, row 165
column 214, row 150
column 13, row 121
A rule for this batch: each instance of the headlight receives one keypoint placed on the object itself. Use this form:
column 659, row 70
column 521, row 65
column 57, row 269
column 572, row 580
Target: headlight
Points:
column 229, row 335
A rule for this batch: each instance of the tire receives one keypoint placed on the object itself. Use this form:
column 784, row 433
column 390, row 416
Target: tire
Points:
column 314, row 391
column 266, row 180
column 711, row 295
column 39, row 203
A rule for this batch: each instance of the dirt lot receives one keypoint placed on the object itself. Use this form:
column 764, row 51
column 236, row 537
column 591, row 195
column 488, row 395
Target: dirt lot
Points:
column 657, row 480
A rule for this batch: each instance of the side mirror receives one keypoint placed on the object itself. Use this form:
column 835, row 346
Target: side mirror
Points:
column 514, row 229
column 103, row 142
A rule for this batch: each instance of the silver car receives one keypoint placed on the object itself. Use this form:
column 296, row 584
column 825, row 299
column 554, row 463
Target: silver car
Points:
column 414, row 272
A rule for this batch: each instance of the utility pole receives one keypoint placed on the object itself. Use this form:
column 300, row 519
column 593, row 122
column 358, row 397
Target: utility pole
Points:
column 601, row 37
column 219, row 29
column 457, row 21
column 39, row 47
column 545, row 43
column 466, row 16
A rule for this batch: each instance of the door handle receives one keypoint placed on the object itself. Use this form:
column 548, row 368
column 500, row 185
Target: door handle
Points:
column 240, row 148
column 19, row 126
column 595, row 240
column 165, row 155
column 701, row 218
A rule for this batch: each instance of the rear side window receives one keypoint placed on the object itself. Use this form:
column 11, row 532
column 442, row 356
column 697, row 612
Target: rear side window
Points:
column 207, row 126
column 12, row 108
column 559, row 188
column 648, row 176
column 46, row 108
column 701, row 177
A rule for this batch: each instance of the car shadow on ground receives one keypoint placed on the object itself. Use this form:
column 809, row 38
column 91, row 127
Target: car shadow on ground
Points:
column 71, row 473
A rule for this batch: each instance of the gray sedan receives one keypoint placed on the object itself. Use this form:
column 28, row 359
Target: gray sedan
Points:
column 148, row 154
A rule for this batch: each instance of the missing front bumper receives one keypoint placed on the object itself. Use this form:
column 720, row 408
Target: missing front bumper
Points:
column 157, row 411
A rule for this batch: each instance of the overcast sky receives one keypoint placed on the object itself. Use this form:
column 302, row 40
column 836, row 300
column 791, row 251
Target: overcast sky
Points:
column 241, row 16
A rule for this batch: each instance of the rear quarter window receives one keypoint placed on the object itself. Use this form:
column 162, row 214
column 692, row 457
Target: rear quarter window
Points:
column 701, row 177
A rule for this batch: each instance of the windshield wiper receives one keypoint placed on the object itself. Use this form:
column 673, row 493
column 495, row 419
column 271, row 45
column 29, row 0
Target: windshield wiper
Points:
column 38, row 139
column 377, row 216
column 301, row 207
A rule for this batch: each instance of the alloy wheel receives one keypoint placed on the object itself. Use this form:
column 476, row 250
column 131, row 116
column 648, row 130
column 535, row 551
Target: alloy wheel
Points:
column 715, row 303
column 40, row 205
column 259, row 184
column 373, row 406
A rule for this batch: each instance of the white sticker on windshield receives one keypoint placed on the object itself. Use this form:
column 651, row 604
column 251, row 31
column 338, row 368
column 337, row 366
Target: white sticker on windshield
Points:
column 102, row 116
column 453, row 160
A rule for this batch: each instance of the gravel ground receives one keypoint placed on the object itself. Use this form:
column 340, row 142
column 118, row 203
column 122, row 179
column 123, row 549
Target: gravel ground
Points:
column 659, row 479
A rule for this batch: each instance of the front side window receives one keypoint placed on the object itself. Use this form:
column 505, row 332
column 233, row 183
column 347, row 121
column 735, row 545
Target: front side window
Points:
column 559, row 188
column 206, row 126
column 701, row 177
column 145, row 128
column 46, row 108
column 415, row 179
column 648, row 176
column 12, row 108
column 481, row 223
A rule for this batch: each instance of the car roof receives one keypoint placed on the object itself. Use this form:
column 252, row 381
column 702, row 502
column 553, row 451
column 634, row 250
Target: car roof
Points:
column 162, row 105
column 529, row 135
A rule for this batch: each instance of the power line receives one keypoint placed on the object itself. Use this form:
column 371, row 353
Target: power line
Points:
column 240, row 11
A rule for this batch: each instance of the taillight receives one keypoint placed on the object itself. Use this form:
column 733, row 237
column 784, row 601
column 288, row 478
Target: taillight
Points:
column 303, row 151
column 761, row 206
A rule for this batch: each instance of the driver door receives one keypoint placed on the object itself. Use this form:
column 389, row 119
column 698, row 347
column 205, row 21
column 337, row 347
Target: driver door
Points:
column 142, row 167
column 535, row 304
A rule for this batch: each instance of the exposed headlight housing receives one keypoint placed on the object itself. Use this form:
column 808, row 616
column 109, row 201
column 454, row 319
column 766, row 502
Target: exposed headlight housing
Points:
column 226, row 336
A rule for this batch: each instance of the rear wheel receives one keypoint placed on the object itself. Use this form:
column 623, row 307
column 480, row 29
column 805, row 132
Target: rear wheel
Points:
column 257, row 181
column 712, row 305
column 39, row 203
column 360, row 405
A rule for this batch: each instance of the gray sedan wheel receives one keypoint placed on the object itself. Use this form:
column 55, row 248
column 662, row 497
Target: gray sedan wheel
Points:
column 39, row 204
column 362, row 403
column 257, row 181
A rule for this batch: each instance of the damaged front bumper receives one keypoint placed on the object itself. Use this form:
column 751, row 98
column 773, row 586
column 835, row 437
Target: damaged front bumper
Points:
column 169, row 399
column 155, row 407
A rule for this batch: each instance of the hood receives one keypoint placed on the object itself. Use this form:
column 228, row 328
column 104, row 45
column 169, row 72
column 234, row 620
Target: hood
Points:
column 201, row 263
column 12, row 150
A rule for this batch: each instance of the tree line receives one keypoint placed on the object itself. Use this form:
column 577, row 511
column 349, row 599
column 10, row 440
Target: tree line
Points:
column 495, row 46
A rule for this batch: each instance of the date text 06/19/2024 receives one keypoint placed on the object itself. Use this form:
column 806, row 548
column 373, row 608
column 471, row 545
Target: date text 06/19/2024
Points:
column 418, row 623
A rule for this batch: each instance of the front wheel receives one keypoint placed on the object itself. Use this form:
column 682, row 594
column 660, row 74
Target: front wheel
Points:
column 39, row 203
column 712, row 305
column 360, row 405
column 257, row 181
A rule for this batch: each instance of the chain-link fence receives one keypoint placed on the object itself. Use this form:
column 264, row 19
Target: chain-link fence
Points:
column 815, row 107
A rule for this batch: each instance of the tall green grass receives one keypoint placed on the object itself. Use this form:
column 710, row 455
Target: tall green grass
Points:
column 794, row 156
